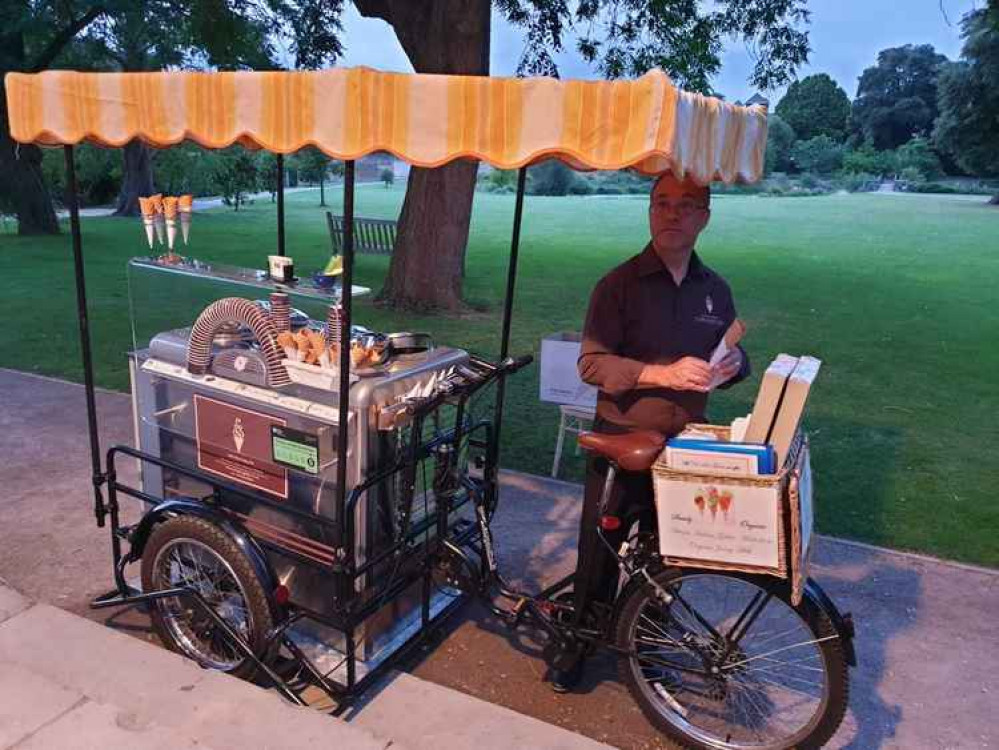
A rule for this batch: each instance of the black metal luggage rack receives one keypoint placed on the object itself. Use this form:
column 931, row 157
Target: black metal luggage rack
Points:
column 465, row 471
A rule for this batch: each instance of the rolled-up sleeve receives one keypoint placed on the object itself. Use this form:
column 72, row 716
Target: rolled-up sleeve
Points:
column 600, row 363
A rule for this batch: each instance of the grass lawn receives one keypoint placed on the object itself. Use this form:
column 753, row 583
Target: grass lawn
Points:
column 897, row 295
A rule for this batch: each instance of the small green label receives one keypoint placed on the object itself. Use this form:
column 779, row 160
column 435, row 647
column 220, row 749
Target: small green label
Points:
column 295, row 449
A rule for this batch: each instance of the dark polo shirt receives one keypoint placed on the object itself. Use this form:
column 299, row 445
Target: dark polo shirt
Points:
column 637, row 316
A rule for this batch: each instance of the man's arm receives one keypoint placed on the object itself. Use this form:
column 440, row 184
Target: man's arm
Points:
column 603, row 336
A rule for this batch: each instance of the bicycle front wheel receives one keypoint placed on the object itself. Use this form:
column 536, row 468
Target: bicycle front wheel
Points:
column 722, row 661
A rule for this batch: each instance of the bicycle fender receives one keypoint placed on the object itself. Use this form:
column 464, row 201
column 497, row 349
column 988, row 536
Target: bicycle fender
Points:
column 182, row 507
column 842, row 623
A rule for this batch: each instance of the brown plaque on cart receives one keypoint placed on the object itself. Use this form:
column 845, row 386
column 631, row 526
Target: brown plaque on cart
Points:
column 235, row 443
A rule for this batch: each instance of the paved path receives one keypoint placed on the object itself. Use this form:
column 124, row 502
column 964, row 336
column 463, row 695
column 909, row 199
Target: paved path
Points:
column 927, row 678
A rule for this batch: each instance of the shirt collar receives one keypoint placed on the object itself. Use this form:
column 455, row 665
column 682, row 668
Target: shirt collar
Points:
column 649, row 263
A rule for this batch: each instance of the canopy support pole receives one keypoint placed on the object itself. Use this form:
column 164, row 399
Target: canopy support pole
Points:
column 280, row 203
column 81, row 314
column 346, row 295
column 511, row 283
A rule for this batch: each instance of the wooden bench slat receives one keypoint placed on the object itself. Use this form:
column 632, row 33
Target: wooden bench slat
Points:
column 370, row 235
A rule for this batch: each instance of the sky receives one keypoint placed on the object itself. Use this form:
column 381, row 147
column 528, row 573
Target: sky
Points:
column 845, row 37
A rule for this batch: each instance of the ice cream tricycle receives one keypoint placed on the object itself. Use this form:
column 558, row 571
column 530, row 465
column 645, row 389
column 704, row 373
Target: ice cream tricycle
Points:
column 317, row 497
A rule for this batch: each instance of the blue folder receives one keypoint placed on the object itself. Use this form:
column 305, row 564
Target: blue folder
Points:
column 766, row 456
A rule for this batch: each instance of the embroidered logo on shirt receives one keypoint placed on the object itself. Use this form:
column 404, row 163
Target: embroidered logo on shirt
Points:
column 709, row 304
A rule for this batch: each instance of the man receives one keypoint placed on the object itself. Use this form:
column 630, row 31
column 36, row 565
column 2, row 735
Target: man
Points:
column 651, row 327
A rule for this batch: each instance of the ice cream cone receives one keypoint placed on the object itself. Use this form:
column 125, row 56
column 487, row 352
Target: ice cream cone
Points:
column 148, row 219
column 185, row 205
column 170, row 219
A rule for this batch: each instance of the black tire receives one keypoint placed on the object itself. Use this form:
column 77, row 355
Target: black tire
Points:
column 180, row 625
column 813, row 734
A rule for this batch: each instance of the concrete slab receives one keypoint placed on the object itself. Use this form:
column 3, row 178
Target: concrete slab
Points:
column 163, row 688
column 99, row 726
column 437, row 718
column 11, row 603
column 105, row 666
column 29, row 702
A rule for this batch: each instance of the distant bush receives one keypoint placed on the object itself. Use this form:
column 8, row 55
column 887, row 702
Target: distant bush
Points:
column 919, row 155
column 912, row 176
column 820, row 154
column 865, row 159
column 857, row 182
column 550, row 178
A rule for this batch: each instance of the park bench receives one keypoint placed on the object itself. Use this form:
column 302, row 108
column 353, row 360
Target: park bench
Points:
column 370, row 235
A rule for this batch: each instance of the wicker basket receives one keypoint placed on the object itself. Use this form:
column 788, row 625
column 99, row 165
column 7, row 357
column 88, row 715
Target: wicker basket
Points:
column 757, row 524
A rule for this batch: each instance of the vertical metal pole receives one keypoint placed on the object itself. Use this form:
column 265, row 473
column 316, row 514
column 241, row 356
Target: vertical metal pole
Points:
column 511, row 275
column 81, row 314
column 280, row 202
column 511, row 283
column 347, row 280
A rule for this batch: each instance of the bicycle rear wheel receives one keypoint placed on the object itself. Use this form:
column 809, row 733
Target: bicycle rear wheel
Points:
column 723, row 661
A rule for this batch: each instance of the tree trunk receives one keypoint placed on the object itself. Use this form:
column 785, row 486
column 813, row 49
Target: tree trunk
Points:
column 322, row 191
column 22, row 186
column 439, row 36
column 137, row 178
column 426, row 268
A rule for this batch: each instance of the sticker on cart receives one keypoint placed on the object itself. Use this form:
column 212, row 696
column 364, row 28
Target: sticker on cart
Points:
column 295, row 449
column 235, row 444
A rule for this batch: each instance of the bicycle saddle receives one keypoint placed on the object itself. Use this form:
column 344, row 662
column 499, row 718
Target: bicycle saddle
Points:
column 632, row 451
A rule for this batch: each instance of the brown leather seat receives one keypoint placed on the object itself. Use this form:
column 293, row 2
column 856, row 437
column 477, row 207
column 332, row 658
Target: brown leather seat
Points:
column 632, row 451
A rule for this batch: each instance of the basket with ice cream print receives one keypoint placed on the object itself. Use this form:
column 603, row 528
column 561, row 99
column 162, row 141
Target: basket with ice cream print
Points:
column 753, row 524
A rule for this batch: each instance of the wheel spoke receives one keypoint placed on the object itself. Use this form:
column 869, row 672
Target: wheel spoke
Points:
column 769, row 691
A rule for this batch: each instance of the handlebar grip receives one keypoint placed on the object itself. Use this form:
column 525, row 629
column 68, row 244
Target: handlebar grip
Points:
column 511, row 365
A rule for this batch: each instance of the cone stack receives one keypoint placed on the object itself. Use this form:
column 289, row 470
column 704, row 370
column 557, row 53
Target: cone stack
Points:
column 334, row 325
column 281, row 311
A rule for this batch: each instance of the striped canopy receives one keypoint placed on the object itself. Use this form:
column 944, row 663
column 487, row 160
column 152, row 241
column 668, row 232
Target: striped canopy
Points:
column 426, row 120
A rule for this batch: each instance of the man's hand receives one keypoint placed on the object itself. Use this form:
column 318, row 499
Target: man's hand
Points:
column 729, row 367
column 686, row 374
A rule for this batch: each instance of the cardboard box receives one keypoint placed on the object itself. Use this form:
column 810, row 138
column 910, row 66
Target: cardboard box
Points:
column 560, row 383
column 720, row 521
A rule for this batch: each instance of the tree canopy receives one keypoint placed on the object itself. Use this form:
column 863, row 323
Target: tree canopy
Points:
column 968, row 126
column 897, row 98
column 620, row 37
column 815, row 105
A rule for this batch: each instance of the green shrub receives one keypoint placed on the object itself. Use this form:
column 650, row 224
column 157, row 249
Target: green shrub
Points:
column 912, row 175
column 856, row 182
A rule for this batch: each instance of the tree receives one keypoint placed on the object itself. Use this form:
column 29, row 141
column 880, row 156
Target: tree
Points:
column 968, row 127
column 32, row 35
column 897, row 98
column 624, row 37
column 820, row 154
column 388, row 177
column 187, row 35
column 780, row 141
column 314, row 166
column 235, row 172
column 815, row 105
